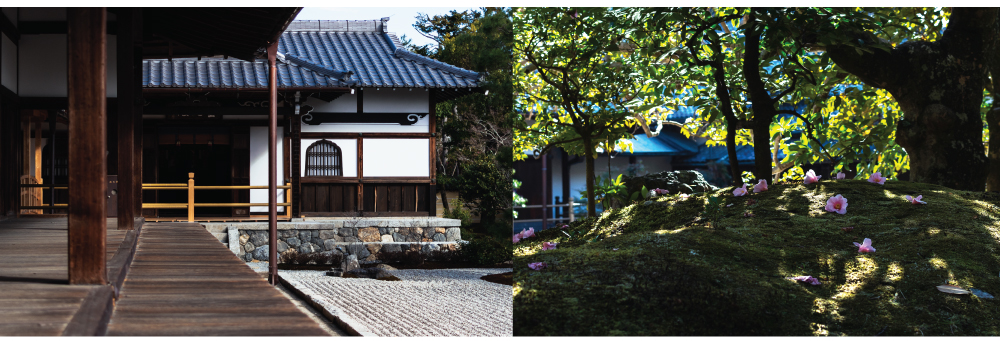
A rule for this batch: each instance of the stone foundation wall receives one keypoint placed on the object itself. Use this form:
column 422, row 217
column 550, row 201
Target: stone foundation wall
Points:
column 249, row 241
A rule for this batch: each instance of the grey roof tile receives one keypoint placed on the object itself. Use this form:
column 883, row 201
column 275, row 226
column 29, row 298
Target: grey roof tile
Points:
column 361, row 47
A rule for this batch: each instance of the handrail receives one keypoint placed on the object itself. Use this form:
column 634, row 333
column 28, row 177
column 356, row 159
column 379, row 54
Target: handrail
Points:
column 190, row 204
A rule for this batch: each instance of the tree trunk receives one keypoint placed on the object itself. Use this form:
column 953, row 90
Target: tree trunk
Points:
column 939, row 87
column 726, row 104
column 589, row 156
column 763, row 104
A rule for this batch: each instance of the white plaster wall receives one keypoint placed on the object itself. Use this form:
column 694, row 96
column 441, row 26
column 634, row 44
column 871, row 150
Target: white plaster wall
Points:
column 8, row 64
column 349, row 158
column 258, row 168
column 399, row 100
column 344, row 103
column 396, row 157
column 43, row 66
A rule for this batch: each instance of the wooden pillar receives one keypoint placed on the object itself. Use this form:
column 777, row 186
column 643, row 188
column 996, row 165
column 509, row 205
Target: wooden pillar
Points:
column 137, row 130
column 295, row 125
column 432, row 190
column 126, row 119
column 87, row 164
column 272, row 165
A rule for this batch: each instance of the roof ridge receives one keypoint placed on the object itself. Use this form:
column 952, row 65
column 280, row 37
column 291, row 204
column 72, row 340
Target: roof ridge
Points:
column 402, row 53
column 342, row 75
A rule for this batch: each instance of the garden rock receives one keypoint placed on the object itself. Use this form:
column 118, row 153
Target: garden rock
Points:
column 685, row 181
column 261, row 253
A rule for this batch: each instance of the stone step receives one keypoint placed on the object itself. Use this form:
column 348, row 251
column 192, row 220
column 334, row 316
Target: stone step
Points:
column 221, row 236
column 216, row 227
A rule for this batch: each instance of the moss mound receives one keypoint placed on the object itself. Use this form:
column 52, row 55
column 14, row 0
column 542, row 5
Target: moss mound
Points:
column 675, row 267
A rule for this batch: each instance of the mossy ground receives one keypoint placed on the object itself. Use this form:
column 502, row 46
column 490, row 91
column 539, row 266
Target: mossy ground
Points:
column 667, row 269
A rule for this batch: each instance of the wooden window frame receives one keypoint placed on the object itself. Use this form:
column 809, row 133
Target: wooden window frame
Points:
column 338, row 158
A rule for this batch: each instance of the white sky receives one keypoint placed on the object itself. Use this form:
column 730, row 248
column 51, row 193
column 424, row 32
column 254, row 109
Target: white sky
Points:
column 401, row 19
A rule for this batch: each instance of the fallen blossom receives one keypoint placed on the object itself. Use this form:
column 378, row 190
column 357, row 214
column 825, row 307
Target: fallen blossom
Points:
column 916, row 200
column 811, row 177
column 877, row 178
column 527, row 233
column 866, row 246
column 564, row 226
column 847, row 228
column 808, row 279
column 615, row 249
column 683, row 196
column 837, row 204
column 740, row 191
column 760, row 186
column 841, row 176
column 548, row 246
column 537, row 266
column 517, row 238
column 658, row 192
column 730, row 205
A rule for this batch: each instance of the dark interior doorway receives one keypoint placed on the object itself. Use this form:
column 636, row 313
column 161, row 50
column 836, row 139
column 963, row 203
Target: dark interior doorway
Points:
column 211, row 165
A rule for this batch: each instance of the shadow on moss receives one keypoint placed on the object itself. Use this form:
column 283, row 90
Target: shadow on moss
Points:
column 657, row 268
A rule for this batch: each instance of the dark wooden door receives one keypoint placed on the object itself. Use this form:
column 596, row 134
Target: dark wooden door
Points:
column 112, row 195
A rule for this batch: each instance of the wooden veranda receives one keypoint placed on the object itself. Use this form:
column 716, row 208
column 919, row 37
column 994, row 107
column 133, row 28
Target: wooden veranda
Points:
column 168, row 278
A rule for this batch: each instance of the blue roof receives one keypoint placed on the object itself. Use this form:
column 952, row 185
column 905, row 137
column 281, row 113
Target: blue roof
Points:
column 335, row 54
column 646, row 146
column 718, row 154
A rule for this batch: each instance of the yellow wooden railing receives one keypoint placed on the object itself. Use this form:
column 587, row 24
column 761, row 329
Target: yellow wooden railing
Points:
column 30, row 196
column 190, row 204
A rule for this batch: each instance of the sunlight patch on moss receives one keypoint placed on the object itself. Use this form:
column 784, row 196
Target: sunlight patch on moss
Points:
column 894, row 273
column 938, row 263
column 857, row 274
column 672, row 231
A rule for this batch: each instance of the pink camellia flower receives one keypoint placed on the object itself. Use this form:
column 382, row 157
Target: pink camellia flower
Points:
column 740, row 191
column 877, row 178
column 517, row 237
column 548, row 246
column 866, row 246
column 811, row 177
column 564, row 226
column 760, row 186
column 808, row 279
column 660, row 191
column 841, row 176
column 527, row 233
column 916, row 200
column 837, row 204
column 537, row 266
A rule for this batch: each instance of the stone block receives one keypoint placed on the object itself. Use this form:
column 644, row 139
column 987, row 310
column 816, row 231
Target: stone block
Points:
column 330, row 244
column 453, row 234
column 431, row 247
column 315, row 233
column 305, row 236
column 369, row 234
column 309, row 248
column 374, row 248
column 261, row 253
column 351, row 263
column 428, row 232
column 328, row 234
column 351, row 239
column 259, row 238
column 248, row 247
column 346, row 232
column 286, row 233
column 282, row 246
column 396, row 237
column 244, row 238
column 426, row 240
column 317, row 241
column 415, row 247
column 384, row 230
column 439, row 230
column 294, row 242
column 439, row 237
column 386, row 238
column 390, row 248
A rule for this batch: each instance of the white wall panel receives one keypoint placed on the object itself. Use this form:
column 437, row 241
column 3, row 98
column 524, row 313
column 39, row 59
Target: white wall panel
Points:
column 111, row 70
column 344, row 103
column 258, row 168
column 399, row 100
column 349, row 158
column 43, row 65
column 396, row 157
column 8, row 64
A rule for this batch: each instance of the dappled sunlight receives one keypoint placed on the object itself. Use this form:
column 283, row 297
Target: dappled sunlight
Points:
column 938, row 263
column 894, row 273
column 517, row 289
column 672, row 231
column 856, row 274
column 933, row 231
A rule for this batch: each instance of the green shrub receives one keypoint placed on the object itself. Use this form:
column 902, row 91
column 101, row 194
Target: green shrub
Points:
column 487, row 251
column 458, row 211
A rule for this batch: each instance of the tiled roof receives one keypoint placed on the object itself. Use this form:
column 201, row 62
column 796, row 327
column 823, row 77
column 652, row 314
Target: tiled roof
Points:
column 315, row 53
column 718, row 154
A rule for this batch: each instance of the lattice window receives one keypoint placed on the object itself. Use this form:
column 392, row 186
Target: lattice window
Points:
column 324, row 158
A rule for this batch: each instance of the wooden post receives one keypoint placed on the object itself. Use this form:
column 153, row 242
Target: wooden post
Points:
column 361, row 186
column 87, row 164
column 272, row 165
column 190, row 197
column 126, row 120
column 572, row 216
column 545, row 208
column 288, row 200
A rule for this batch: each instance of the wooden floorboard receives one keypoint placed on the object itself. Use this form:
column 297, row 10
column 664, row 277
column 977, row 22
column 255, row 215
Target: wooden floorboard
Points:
column 184, row 282
column 35, row 297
